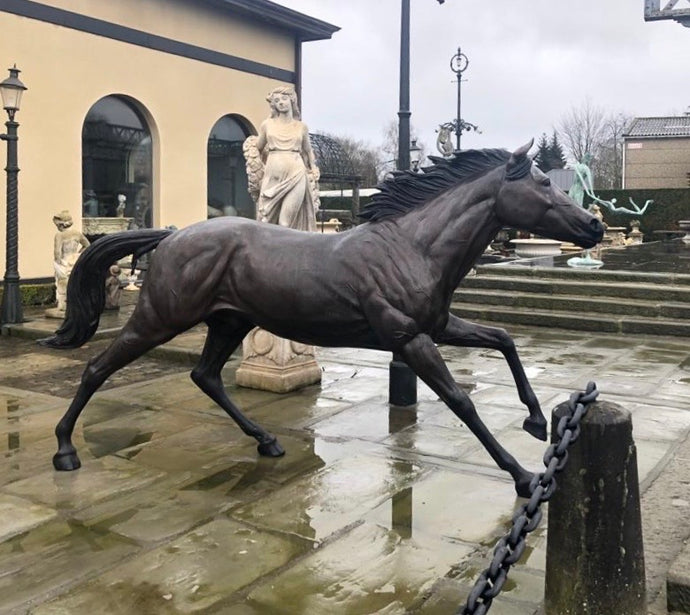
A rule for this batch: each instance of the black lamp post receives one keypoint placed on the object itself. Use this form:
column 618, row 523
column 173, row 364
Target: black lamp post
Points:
column 402, row 381
column 11, row 90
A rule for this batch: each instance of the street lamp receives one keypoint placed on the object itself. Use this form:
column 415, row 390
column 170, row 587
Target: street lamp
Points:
column 458, row 64
column 11, row 90
column 402, row 381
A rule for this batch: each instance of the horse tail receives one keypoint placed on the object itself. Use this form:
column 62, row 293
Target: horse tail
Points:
column 86, row 286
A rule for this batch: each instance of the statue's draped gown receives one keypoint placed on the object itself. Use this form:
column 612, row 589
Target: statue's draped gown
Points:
column 285, row 185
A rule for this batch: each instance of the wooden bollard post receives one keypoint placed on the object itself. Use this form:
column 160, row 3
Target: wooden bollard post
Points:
column 594, row 553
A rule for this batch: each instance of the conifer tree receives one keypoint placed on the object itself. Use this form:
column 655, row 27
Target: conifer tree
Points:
column 543, row 155
column 556, row 155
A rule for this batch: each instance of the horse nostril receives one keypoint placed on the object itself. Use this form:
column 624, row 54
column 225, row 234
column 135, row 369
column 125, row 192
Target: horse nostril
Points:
column 596, row 225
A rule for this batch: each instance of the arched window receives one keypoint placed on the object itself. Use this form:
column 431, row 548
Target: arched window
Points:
column 227, row 193
column 117, row 162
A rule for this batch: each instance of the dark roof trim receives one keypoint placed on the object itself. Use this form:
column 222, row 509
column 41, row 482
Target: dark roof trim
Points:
column 306, row 28
column 90, row 25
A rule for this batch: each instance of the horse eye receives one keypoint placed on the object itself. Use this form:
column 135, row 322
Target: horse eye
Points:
column 546, row 182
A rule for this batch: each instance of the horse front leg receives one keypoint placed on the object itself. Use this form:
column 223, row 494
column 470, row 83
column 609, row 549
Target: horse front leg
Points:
column 459, row 332
column 423, row 357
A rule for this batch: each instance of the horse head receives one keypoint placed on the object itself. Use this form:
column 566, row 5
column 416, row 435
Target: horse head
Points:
column 528, row 201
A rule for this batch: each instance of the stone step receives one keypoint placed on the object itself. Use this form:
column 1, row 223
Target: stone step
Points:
column 601, row 323
column 597, row 275
column 651, row 308
column 583, row 287
column 678, row 583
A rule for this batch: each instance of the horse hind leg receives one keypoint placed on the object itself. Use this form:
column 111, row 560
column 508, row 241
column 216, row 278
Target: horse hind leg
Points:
column 224, row 335
column 128, row 346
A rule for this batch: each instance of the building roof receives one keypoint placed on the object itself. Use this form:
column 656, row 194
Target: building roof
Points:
column 669, row 126
column 307, row 28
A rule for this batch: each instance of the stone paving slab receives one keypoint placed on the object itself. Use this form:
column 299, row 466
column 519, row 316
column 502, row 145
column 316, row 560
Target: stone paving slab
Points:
column 372, row 569
column 322, row 503
column 20, row 516
column 188, row 575
column 372, row 510
column 51, row 558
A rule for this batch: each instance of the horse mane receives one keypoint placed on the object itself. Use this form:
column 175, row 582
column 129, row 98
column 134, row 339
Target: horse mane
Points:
column 406, row 190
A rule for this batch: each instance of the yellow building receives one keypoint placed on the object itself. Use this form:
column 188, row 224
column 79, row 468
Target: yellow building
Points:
column 657, row 152
column 146, row 100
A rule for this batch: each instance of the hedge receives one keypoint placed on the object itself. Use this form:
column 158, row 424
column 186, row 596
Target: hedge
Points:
column 35, row 294
column 669, row 206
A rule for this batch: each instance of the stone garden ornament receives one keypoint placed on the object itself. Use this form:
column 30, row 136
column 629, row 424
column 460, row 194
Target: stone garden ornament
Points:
column 583, row 184
column 386, row 284
column 67, row 245
column 283, row 182
column 281, row 169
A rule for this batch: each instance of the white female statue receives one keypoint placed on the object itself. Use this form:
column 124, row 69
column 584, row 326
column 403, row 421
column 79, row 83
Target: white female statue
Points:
column 282, row 178
column 68, row 244
column 281, row 163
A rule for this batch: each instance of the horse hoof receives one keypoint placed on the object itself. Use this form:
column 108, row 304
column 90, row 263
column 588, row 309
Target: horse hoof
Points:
column 535, row 427
column 66, row 462
column 271, row 448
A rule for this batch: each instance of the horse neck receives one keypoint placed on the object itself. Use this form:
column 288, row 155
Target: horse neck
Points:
column 455, row 228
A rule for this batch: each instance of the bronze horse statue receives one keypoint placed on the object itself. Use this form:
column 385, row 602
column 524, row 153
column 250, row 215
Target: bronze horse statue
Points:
column 387, row 284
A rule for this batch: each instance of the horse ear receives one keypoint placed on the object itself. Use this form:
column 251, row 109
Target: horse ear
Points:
column 522, row 151
column 519, row 162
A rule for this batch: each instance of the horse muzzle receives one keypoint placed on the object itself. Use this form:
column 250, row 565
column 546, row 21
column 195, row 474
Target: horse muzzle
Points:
column 596, row 231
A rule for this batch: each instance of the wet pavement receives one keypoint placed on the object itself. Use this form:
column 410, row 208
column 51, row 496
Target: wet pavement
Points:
column 373, row 509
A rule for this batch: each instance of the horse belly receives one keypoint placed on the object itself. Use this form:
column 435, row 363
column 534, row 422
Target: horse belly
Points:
column 332, row 334
column 296, row 305
column 321, row 324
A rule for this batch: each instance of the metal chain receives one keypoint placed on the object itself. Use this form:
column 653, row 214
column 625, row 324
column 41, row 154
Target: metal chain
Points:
column 509, row 549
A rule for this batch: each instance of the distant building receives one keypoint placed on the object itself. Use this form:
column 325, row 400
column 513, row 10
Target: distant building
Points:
column 147, row 100
column 656, row 152
column 563, row 178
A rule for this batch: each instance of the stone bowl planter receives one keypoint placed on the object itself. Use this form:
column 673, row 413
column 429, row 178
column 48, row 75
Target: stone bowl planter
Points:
column 533, row 248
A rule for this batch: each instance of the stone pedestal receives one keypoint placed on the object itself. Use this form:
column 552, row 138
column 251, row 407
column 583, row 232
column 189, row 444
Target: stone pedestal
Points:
column 614, row 237
column 271, row 363
column 594, row 551
column 635, row 235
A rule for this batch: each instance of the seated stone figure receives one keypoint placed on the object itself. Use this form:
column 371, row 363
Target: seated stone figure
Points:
column 113, row 290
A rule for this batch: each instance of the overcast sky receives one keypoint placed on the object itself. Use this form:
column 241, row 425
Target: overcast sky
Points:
column 530, row 61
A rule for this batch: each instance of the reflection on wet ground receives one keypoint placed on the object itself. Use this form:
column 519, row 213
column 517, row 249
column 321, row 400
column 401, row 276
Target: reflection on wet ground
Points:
column 668, row 256
column 372, row 510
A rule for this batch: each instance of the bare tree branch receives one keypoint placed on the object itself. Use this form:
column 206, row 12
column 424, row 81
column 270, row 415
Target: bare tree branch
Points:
column 582, row 129
column 589, row 128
